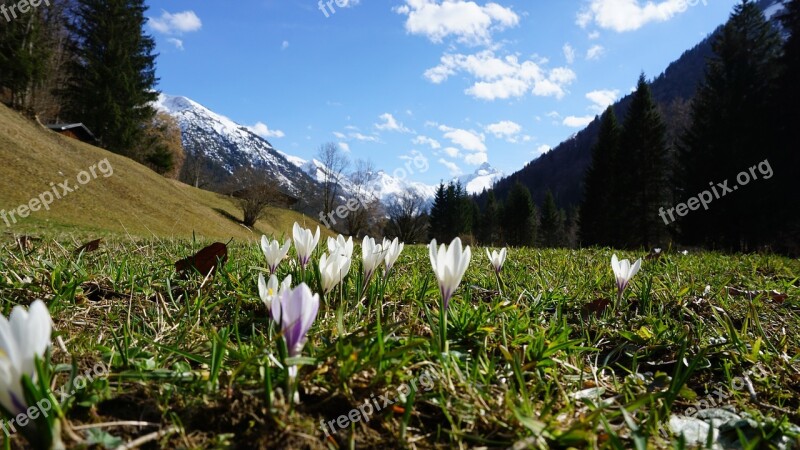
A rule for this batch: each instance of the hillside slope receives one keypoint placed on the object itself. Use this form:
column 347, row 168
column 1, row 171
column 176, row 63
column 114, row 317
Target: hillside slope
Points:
column 132, row 199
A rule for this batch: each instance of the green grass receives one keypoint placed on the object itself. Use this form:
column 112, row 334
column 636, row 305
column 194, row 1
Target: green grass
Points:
column 199, row 358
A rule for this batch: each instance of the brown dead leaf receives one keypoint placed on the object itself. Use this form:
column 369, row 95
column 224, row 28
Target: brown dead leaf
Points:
column 776, row 296
column 89, row 246
column 205, row 261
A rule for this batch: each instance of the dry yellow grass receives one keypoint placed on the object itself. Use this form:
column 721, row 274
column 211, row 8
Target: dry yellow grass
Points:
column 133, row 200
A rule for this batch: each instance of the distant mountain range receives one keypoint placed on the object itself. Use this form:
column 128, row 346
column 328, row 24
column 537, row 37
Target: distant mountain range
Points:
column 228, row 146
column 562, row 169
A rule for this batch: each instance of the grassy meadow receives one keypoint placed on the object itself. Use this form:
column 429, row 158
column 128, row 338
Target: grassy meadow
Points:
column 540, row 357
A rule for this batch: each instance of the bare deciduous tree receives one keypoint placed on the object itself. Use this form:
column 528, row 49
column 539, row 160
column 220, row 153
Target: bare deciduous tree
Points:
column 369, row 211
column 408, row 218
column 254, row 191
column 335, row 162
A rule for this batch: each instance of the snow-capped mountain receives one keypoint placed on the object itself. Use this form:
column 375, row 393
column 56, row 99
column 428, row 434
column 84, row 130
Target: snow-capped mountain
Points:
column 228, row 144
column 386, row 187
column 483, row 178
column 382, row 185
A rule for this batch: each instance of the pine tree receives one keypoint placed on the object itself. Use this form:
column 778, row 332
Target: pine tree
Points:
column 733, row 125
column 551, row 228
column 490, row 221
column 787, row 156
column 438, row 216
column 519, row 224
column 597, row 217
column 112, row 77
column 641, row 172
column 451, row 213
column 24, row 53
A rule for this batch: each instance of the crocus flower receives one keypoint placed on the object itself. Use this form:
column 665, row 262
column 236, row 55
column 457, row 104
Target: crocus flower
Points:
column 274, row 252
column 269, row 290
column 372, row 255
column 623, row 271
column 333, row 269
column 305, row 243
column 449, row 265
column 393, row 250
column 497, row 259
column 295, row 310
column 340, row 245
column 23, row 337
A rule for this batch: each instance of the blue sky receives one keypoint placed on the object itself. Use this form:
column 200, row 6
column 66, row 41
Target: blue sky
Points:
column 457, row 82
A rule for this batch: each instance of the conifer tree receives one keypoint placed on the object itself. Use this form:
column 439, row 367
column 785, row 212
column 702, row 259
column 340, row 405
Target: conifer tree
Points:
column 641, row 170
column 551, row 228
column 112, row 77
column 438, row 215
column 732, row 129
column 597, row 216
column 787, row 158
column 24, row 52
column 519, row 224
column 490, row 221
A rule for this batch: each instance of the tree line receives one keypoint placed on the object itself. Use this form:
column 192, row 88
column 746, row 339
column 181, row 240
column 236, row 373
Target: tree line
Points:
column 90, row 61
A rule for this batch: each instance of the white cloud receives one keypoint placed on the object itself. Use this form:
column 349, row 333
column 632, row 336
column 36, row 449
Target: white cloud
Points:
column 542, row 149
column 424, row 140
column 284, row 45
column 452, row 152
column 451, row 166
column 263, row 130
column 629, row 15
column 505, row 129
column 182, row 22
column 468, row 140
column 476, row 159
column 569, row 53
column 577, row 122
column 554, row 115
column 363, row 137
column 595, row 52
column 391, row 124
column 503, row 77
column 602, row 99
column 594, row 35
column 176, row 42
column 339, row 135
column 344, row 146
column 467, row 21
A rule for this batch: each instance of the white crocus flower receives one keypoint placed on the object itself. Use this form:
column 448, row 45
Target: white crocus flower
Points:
column 340, row 245
column 23, row 337
column 393, row 250
column 623, row 271
column 305, row 242
column 449, row 265
column 269, row 290
column 497, row 259
column 332, row 270
column 372, row 255
column 274, row 252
